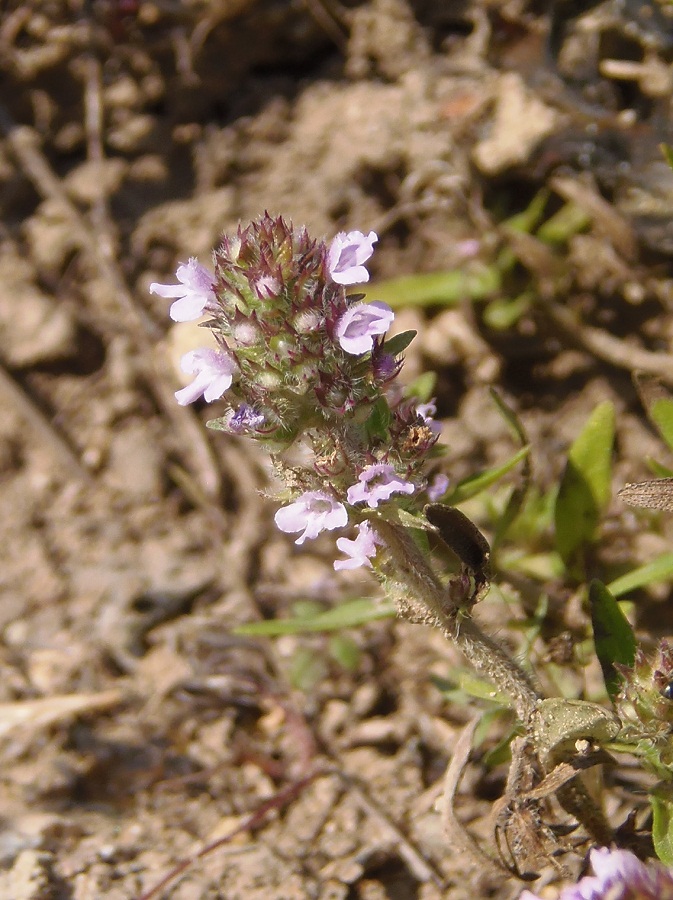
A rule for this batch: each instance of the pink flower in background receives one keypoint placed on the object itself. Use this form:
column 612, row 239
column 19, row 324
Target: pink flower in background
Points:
column 376, row 484
column 437, row 487
column 214, row 370
column 347, row 255
column 312, row 512
column 428, row 411
column 359, row 325
column 194, row 293
column 620, row 875
column 358, row 551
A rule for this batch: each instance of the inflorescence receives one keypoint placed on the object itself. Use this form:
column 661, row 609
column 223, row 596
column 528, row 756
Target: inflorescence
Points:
column 305, row 366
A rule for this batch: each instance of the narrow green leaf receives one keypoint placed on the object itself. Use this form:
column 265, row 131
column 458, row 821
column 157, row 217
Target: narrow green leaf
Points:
column 422, row 387
column 585, row 486
column 413, row 520
column 399, row 342
column 528, row 220
column 437, row 288
column 345, row 651
column 347, row 615
column 659, row 469
column 660, row 569
column 540, row 566
column 307, row 669
column 568, row 221
column 475, row 484
column 520, row 492
column 614, row 639
column 378, row 420
column 661, row 413
column 466, row 682
column 503, row 313
column 658, row 403
column 662, row 823
column 667, row 152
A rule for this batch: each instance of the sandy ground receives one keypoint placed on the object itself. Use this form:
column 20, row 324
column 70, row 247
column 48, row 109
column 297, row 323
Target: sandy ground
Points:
column 136, row 727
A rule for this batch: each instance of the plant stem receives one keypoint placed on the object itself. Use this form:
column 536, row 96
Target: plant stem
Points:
column 422, row 594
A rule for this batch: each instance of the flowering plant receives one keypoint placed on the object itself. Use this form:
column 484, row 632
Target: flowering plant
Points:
column 304, row 366
column 306, row 369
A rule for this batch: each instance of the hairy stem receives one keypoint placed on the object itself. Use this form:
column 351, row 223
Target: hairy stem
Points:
column 428, row 599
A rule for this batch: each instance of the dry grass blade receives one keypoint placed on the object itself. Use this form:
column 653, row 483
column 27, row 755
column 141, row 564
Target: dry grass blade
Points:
column 458, row 836
column 40, row 714
column 608, row 348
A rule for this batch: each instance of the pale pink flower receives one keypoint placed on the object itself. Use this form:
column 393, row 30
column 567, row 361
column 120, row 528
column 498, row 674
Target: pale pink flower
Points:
column 312, row 512
column 428, row 411
column 194, row 294
column 361, row 323
column 376, row 484
column 214, row 370
column 620, row 875
column 438, row 487
column 347, row 255
column 358, row 551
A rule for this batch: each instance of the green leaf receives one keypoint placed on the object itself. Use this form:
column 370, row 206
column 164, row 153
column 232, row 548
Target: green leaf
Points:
column 347, row 615
column 413, row 520
column 437, row 288
column 528, row 220
column 584, row 491
column 472, row 685
column 307, row 669
column 379, row 420
column 614, row 639
column 660, row 569
column 422, row 387
column 540, row 566
column 568, row 221
column 661, row 413
column 659, row 469
column 520, row 492
column 503, row 313
column 667, row 152
column 475, row 484
column 345, row 651
column 399, row 342
column 662, row 823
column 658, row 404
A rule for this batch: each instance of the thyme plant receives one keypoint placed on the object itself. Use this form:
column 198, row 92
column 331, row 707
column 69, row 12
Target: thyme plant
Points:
column 303, row 367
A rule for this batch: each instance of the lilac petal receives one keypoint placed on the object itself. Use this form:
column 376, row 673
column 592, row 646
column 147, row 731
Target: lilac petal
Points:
column 358, row 551
column 245, row 419
column 428, row 411
column 619, row 874
column 313, row 511
column 194, row 293
column 377, row 484
column 358, row 326
column 214, row 370
column 347, row 255
column 437, row 487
